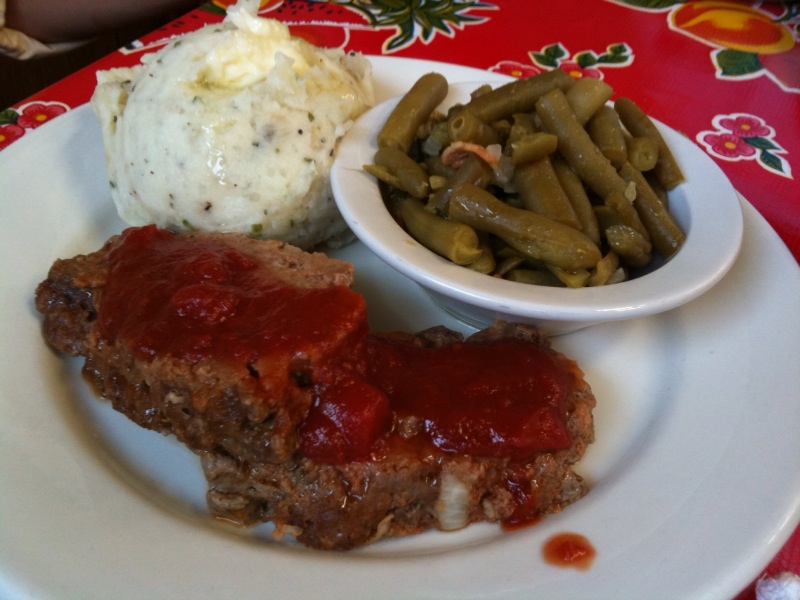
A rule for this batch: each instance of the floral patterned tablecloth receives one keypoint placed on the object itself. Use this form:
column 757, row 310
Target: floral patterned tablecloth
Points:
column 724, row 73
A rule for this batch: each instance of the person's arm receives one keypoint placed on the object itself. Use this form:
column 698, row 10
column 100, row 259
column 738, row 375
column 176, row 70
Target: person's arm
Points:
column 54, row 21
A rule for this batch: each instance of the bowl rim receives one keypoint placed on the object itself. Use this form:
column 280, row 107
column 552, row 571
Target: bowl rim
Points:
column 706, row 205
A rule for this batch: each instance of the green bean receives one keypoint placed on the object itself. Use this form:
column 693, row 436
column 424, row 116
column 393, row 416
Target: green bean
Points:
column 436, row 167
column 535, row 236
column 474, row 170
column 383, row 174
column 534, row 277
column 657, row 188
column 437, row 182
column 632, row 248
column 606, row 268
column 607, row 217
column 413, row 109
column 486, row 263
column 466, row 127
column 665, row 232
column 575, row 176
column 586, row 96
column 576, row 146
column 532, row 147
column 639, row 124
column 522, row 125
column 576, row 193
column 606, row 132
column 571, row 279
column 411, row 177
column 541, row 192
column 629, row 214
column 502, row 250
column 502, row 127
column 508, row 264
column 454, row 241
column 480, row 90
column 518, row 96
column 642, row 153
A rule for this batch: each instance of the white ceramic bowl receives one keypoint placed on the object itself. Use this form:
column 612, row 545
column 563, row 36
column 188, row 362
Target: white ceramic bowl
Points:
column 706, row 206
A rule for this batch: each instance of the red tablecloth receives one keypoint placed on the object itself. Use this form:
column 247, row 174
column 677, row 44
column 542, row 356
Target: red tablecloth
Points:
column 725, row 73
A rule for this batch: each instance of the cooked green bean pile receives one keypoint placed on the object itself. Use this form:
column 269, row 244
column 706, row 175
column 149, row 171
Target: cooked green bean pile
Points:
column 537, row 181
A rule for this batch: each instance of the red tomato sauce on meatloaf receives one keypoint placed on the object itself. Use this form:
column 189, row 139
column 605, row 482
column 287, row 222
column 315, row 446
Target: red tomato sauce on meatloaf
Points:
column 196, row 299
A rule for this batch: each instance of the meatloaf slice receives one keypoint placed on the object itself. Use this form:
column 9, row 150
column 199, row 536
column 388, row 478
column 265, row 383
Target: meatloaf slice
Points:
column 207, row 403
column 323, row 432
column 410, row 486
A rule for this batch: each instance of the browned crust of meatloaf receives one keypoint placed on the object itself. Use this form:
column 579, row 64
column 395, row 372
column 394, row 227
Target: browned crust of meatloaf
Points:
column 205, row 404
column 402, row 492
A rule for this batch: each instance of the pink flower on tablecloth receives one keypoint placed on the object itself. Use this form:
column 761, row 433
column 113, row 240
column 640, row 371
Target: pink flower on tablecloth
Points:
column 741, row 136
column 515, row 69
column 727, row 145
column 34, row 114
column 746, row 126
column 10, row 133
column 577, row 71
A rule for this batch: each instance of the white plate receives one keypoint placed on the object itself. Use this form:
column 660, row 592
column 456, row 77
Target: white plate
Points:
column 696, row 468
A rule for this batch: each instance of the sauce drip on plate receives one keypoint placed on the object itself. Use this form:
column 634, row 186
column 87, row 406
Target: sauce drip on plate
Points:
column 569, row 550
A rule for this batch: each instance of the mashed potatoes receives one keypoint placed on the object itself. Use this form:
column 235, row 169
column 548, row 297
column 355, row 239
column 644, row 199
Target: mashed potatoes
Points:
column 232, row 128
